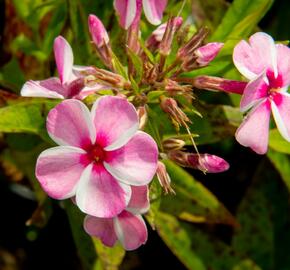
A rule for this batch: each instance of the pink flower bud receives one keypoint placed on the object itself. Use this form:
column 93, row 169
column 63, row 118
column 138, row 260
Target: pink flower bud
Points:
column 221, row 84
column 207, row 53
column 208, row 163
column 164, row 178
column 98, row 31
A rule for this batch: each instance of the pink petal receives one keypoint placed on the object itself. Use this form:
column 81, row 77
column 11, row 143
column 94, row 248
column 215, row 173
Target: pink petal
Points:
column 98, row 31
column 254, row 92
column 131, row 230
column 126, row 10
column 283, row 63
column 281, row 112
column 254, row 131
column 69, row 123
column 136, row 162
column 253, row 58
column 153, row 10
column 50, row 88
column 208, row 52
column 116, row 121
column 139, row 202
column 99, row 194
column 102, row 228
column 64, row 59
column 59, row 169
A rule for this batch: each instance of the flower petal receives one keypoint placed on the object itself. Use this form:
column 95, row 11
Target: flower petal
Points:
column 253, row 58
column 254, row 131
column 281, row 112
column 59, row 169
column 50, row 88
column 136, row 162
column 126, row 10
column 131, row 230
column 69, row 123
column 102, row 228
column 116, row 121
column 64, row 59
column 153, row 10
column 99, row 194
column 254, row 92
column 283, row 63
column 139, row 202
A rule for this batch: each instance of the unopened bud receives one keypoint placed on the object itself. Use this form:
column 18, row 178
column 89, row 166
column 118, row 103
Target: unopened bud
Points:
column 143, row 116
column 172, row 26
column 164, row 178
column 109, row 79
column 98, row 31
column 203, row 162
column 207, row 53
column 172, row 144
column 169, row 105
column 174, row 88
column 220, row 84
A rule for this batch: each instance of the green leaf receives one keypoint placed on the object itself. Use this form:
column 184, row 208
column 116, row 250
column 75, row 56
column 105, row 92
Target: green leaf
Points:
column 28, row 115
column 241, row 19
column 193, row 201
column 278, row 143
column 109, row 257
column 120, row 69
column 154, row 96
column 282, row 163
column 137, row 63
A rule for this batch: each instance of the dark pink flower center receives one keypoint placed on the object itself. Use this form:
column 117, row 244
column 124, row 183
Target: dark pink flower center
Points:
column 96, row 153
column 275, row 83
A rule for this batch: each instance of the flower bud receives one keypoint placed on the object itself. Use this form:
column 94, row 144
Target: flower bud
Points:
column 172, row 144
column 221, row 84
column 174, row 88
column 169, row 105
column 98, row 31
column 143, row 116
column 164, row 178
column 207, row 53
column 203, row 162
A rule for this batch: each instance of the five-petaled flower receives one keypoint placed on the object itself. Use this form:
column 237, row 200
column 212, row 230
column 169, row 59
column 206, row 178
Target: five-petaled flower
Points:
column 128, row 227
column 267, row 66
column 101, row 154
column 130, row 10
column 70, row 83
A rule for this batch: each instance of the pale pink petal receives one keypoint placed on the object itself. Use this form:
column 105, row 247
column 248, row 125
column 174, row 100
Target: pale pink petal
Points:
column 253, row 58
column 35, row 89
column 126, row 10
column 136, row 162
column 254, row 92
column 116, row 121
column 99, row 194
column 139, row 202
column 283, row 63
column 64, row 58
column 98, row 31
column 69, row 123
column 131, row 230
column 281, row 112
column 102, row 228
column 254, row 131
column 59, row 169
column 208, row 52
column 154, row 9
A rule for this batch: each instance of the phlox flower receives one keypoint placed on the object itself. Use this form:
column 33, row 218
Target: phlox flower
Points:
column 101, row 154
column 128, row 10
column 128, row 227
column 267, row 66
column 70, row 83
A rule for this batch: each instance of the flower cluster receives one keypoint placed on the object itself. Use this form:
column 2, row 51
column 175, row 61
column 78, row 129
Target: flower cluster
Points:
column 105, row 161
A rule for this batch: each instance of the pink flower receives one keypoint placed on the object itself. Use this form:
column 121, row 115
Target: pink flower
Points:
column 128, row 227
column 128, row 10
column 69, row 84
column 207, row 53
column 101, row 154
column 267, row 65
